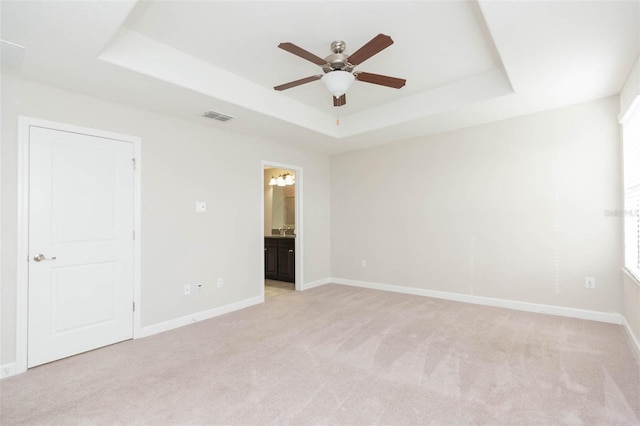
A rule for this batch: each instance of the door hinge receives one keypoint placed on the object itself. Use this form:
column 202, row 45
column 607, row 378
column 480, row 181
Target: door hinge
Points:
column 134, row 234
column 133, row 160
column 134, row 306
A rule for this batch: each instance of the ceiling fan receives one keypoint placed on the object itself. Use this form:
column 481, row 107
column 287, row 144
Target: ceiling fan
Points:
column 338, row 67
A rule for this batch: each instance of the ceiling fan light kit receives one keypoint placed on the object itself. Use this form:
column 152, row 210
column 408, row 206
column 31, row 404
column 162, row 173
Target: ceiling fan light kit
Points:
column 338, row 67
column 338, row 82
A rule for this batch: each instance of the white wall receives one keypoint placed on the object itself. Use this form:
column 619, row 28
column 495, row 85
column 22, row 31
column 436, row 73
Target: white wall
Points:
column 512, row 210
column 182, row 162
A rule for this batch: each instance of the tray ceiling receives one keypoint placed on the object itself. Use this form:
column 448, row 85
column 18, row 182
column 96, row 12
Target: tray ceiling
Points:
column 466, row 62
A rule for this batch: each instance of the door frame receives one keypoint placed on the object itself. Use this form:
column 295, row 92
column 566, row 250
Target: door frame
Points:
column 299, row 246
column 22, row 275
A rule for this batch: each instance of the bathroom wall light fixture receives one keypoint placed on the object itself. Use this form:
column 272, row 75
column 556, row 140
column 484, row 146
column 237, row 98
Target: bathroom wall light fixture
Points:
column 288, row 179
column 282, row 180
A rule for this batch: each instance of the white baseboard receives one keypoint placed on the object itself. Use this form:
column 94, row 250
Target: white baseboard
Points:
column 7, row 370
column 632, row 336
column 317, row 283
column 199, row 316
column 613, row 318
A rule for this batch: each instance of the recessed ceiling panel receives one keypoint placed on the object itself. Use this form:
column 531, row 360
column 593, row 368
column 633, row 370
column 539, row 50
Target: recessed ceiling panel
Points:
column 436, row 43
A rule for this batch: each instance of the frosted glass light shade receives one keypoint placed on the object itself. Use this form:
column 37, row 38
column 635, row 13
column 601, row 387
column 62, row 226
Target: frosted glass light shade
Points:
column 273, row 182
column 338, row 82
column 288, row 180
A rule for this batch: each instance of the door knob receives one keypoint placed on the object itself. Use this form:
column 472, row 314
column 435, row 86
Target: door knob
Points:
column 40, row 257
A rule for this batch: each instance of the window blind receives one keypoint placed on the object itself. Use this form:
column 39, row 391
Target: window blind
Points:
column 631, row 164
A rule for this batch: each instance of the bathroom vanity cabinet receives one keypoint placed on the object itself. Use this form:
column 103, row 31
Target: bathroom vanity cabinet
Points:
column 280, row 258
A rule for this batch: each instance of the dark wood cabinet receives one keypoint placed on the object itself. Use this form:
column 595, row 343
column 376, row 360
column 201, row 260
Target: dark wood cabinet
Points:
column 280, row 259
column 286, row 259
column 270, row 258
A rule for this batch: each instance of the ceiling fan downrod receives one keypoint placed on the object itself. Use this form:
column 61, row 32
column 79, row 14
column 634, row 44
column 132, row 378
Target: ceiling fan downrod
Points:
column 337, row 60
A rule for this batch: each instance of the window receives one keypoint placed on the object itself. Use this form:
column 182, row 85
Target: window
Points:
column 631, row 165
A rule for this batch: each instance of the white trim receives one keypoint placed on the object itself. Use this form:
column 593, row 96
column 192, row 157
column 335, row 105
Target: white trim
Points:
column 624, row 115
column 632, row 336
column 7, row 370
column 22, row 265
column 199, row 316
column 22, row 273
column 631, row 276
column 317, row 283
column 299, row 246
column 137, row 243
column 613, row 318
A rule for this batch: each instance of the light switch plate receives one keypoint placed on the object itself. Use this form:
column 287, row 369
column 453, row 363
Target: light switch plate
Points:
column 201, row 206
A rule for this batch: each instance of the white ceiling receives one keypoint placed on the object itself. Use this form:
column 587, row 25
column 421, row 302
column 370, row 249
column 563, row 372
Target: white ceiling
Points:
column 466, row 62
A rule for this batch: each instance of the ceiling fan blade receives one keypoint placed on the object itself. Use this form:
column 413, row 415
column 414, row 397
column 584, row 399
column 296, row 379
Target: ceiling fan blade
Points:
column 299, row 51
column 342, row 100
column 291, row 84
column 375, row 45
column 382, row 80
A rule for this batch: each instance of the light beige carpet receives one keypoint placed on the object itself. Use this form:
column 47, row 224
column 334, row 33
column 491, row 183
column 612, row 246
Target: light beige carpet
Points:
column 273, row 288
column 341, row 355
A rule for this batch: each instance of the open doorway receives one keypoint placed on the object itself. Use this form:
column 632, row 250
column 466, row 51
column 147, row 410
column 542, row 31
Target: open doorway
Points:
column 281, row 228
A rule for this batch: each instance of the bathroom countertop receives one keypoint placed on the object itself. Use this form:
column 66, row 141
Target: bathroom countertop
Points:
column 280, row 236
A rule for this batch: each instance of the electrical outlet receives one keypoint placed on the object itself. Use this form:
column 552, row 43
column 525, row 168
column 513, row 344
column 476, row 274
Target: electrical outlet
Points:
column 363, row 263
column 187, row 289
column 220, row 283
column 7, row 371
column 590, row 282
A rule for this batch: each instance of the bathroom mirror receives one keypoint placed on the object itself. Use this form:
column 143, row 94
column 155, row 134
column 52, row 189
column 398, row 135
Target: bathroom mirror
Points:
column 279, row 202
column 283, row 211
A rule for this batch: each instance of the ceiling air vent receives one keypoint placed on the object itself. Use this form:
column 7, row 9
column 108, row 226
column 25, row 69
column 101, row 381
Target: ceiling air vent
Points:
column 217, row 116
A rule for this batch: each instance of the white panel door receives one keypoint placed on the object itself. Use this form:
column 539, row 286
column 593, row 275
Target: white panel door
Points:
column 80, row 243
